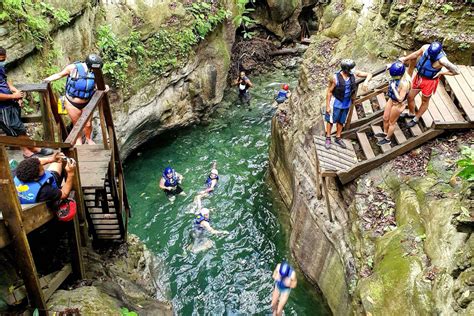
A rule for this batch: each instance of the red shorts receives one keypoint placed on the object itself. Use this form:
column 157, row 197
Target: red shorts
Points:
column 426, row 85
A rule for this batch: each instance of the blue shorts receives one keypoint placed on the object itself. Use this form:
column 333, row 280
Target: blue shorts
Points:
column 337, row 116
column 282, row 290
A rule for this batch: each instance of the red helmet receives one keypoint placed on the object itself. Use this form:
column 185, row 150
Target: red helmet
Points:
column 286, row 87
column 67, row 210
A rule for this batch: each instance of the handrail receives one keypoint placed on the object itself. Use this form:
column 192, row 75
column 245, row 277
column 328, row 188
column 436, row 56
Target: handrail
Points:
column 32, row 87
column 375, row 73
column 85, row 116
column 26, row 142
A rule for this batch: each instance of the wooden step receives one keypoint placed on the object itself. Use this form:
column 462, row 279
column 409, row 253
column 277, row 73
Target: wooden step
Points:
column 104, row 221
column 415, row 130
column 381, row 100
column 377, row 129
column 107, row 231
column 399, row 136
column 365, row 144
column 367, row 107
column 98, row 210
column 106, row 227
column 117, row 237
column 95, row 216
column 463, row 93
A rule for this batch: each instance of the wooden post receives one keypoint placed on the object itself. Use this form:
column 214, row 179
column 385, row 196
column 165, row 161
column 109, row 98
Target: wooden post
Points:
column 11, row 210
column 75, row 241
column 326, row 194
column 76, row 186
column 103, row 126
column 46, row 116
column 53, row 101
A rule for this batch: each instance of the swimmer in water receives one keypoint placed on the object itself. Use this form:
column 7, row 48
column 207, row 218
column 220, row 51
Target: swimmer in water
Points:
column 211, row 182
column 170, row 182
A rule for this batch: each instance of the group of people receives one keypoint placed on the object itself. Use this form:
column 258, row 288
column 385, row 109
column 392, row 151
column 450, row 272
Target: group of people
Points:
column 431, row 65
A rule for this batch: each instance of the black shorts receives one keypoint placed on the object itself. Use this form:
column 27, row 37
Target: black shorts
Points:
column 244, row 97
column 10, row 120
column 176, row 191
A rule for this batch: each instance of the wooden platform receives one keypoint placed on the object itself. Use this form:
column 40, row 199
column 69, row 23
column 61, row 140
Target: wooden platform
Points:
column 451, row 107
column 94, row 163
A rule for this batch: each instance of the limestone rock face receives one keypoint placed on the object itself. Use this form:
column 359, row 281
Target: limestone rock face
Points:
column 372, row 33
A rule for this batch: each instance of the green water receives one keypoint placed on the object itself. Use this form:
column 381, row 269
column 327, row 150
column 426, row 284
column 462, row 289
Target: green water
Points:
column 234, row 276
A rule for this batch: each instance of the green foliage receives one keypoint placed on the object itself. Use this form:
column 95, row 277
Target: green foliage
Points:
column 243, row 19
column 447, row 7
column 167, row 49
column 125, row 312
column 464, row 46
column 33, row 18
column 466, row 163
column 117, row 53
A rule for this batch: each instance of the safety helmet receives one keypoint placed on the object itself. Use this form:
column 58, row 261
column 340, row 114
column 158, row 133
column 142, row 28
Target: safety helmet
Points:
column 214, row 171
column 285, row 269
column 204, row 211
column 434, row 49
column 397, row 69
column 347, row 65
column 94, row 61
column 286, row 87
column 66, row 210
column 167, row 171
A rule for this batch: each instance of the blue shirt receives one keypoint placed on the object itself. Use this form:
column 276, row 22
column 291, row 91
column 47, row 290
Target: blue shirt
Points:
column 347, row 95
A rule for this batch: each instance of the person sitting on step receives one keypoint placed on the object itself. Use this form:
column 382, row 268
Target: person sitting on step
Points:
column 10, row 111
column 429, row 70
column 398, row 89
column 341, row 90
column 36, row 184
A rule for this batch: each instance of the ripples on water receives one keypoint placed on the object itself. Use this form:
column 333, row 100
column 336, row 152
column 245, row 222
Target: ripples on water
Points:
column 233, row 277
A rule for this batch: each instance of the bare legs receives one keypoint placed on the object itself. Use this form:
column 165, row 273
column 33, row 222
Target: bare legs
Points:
column 394, row 115
column 386, row 116
column 339, row 127
column 279, row 304
column 425, row 101
column 75, row 114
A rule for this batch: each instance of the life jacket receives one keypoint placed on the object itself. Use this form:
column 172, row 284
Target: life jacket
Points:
column 82, row 85
column 344, row 89
column 424, row 66
column 243, row 86
column 280, row 283
column 199, row 219
column 28, row 191
column 209, row 181
column 391, row 93
column 173, row 182
column 282, row 96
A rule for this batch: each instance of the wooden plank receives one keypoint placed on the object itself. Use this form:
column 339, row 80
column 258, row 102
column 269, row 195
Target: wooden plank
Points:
column 442, row 108
column 468, row 76
column 57, row 280
column 30, row 87
column 326, row 195
column 466, row 88
column 441, row 92
column 17, row 142
column 367, row 165
column 377, row 129
column 461, row 97
column 365, row 144
column 426, row 117
column 380, row 89
column 107, row 232
column 381, row 100
column 329, row 156
column 11, row 210
column 92, row 180
column 107, row 226
column 105, row 221
column 85, row 117
column 31, row 119
column 330, row 164
column 399, row 136
column 415, row 130
column 454, row 125
column 367, row 105
column 116, row 237
column 345, row 153
column 47, row 116
column 103, row 216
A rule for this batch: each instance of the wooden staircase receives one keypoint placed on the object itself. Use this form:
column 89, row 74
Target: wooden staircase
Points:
column 451, row 107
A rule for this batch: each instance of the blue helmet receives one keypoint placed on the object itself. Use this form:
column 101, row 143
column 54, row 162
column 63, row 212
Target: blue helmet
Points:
column 167, row 171
column 434, row 49
column 285, row 269
column 397, row 69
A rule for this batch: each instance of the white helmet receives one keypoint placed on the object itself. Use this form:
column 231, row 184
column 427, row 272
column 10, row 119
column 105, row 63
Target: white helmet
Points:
column 214, row 171
column 204, row 211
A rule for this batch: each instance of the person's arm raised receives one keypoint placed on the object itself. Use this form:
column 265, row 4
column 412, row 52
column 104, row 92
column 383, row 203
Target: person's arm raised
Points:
column 63, row 73
column 70, row 170
column 413, row 55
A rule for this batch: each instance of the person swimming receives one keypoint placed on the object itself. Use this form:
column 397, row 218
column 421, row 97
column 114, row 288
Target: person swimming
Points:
column 285, row 281
column 170, row 182
column 211, row 182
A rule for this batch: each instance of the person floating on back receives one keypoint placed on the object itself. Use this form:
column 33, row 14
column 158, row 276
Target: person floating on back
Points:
column 211, row 181
column 80, row 87
column 10, row 111
column 285, row 280
column 341, row 90
column 283, row 94
column 170, row 182
column 244, row 84
column 429, row 69
column 398, row 89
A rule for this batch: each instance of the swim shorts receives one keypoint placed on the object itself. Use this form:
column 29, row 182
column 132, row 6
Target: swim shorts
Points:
column 426, row 85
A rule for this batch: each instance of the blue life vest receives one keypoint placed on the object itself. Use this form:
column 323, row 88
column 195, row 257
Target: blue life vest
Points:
column 282, row 96
column 28, row 191
column 424, row 66
column 281, row 284
column 198, row 220
column 209, row 181
column 173, row 182
column 83, row 85
column 344, row 90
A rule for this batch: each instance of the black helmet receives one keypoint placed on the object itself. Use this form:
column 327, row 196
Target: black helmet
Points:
column 347, row 65
column 94, row 61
